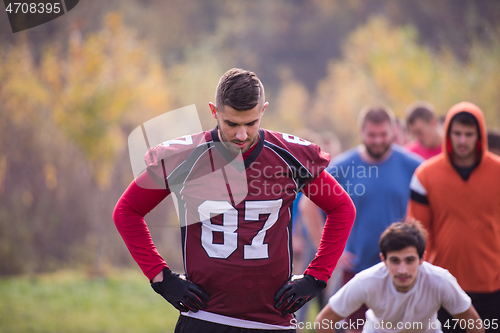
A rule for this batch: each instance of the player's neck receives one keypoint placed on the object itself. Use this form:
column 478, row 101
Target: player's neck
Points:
column 467, row 162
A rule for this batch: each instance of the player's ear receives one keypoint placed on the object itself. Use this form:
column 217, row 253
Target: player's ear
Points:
column 382, row 257
column 213, row 109
column 264, row 107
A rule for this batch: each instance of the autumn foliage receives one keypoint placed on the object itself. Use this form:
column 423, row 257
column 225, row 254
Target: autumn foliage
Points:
column 67, row 106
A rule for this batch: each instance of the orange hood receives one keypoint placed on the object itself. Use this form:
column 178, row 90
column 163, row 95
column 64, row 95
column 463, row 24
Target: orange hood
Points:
column 482, row 144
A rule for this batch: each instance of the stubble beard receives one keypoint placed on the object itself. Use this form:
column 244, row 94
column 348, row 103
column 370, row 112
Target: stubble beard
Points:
column 376, row 155
column 464, row 156
column 231, row 147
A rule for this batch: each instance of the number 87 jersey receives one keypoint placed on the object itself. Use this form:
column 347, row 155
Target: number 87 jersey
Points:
column 236, row 218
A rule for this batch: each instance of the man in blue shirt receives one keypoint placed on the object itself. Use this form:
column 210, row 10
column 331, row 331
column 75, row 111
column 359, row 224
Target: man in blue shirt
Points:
column 376, row 175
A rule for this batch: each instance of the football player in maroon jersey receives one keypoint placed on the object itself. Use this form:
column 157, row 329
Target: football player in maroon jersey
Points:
column 235, row 186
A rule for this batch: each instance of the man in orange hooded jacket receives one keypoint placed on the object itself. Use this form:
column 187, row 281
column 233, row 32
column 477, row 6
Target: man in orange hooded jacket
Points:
column 456, row 196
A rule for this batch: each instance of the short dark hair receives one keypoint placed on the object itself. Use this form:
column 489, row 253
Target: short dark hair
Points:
column 464, row 118
column 420, row 110
column 493, row 139
column 400, row 235
column 239, row 89
column 375, row 114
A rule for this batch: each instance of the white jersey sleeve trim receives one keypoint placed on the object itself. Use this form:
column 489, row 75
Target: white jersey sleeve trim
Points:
column 416, row 186
column 230, row 321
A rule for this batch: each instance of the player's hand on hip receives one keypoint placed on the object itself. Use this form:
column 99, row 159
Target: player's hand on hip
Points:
column 299, row 290
column 181, row 293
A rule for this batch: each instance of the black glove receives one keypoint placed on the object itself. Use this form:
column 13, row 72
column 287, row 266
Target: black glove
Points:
column 181, row 293
column 299, row 290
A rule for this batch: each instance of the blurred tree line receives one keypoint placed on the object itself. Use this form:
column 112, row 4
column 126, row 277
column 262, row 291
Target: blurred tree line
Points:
column 72, row 90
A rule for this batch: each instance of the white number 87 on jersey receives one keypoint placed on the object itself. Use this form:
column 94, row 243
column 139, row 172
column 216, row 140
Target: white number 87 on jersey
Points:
column 253, row 209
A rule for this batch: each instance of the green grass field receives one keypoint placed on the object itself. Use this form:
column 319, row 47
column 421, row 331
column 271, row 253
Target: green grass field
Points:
column 72, row 302
column 69, row 301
